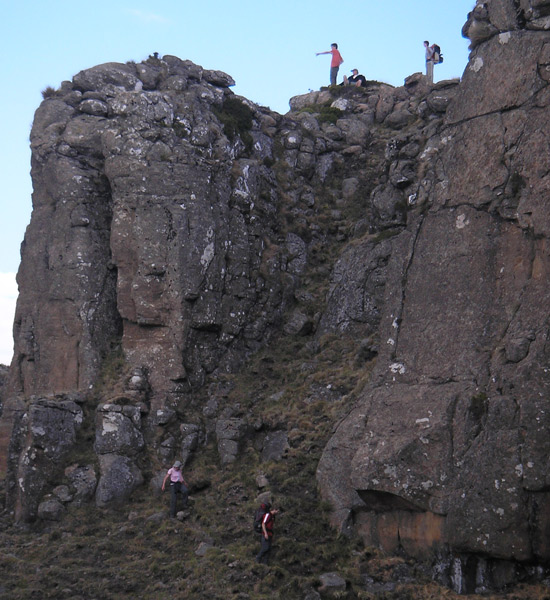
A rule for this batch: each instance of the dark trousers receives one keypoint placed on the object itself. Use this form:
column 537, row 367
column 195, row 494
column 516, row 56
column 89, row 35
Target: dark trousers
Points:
column 175, row 489
column 265, row 550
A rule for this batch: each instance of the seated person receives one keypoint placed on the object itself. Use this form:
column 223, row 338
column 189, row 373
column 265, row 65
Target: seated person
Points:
column 355, row 79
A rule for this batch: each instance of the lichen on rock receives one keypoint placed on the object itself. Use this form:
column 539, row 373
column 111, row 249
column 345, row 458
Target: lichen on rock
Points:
column 178, row 229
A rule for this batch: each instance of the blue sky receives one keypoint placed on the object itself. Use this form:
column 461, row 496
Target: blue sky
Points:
column 269, row 49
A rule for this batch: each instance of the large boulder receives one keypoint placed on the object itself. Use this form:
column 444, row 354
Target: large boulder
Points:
column 230, row 434
column 119, row 478
column 118, row 430
column 46, row 434
column 115, row 74
column 83, row 482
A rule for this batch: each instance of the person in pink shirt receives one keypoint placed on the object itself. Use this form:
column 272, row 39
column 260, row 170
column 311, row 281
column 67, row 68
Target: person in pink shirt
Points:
column 335, row 62
column 177, row 486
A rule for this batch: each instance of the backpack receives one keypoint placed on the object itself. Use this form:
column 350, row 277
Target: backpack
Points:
column 438, row 57
column 259, row 517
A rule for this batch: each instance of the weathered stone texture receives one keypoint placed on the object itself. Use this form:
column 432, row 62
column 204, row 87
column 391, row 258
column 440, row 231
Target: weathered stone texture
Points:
column 169, row 238
column 446, row 446
column 119, row 478
column 83, row 482
column 44, row 435
column 148, row 233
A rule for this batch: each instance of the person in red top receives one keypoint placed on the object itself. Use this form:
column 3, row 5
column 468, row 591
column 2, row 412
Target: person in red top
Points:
column 335, row 62
column 267, row 535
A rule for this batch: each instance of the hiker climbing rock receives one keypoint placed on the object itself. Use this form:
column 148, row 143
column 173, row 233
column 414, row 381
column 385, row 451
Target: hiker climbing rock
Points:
column 177, row 486
column 267, row 536
column 335, row 62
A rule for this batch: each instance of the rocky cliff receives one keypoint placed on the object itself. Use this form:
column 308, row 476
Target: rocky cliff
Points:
column 448, row 446
column 178, row 230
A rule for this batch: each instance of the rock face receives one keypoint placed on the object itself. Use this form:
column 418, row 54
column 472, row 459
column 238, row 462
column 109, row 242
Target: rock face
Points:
column 44, row 433
column 150, row 223
column 177, row 228
column 146, row 240
column 174, row 230
column 447, row 446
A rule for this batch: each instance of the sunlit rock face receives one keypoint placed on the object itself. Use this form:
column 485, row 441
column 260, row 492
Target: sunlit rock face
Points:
column 145, row 228
column 448, row 446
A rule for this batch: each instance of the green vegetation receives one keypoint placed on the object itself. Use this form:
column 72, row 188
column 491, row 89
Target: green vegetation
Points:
column 129, row 554
column 236, row 118
column 516, row 183
column 325, row 113
column 330, row 114
column 112, row 369
column 135, row 551
column 346, row 90
column 49, row 92
column 478, row 406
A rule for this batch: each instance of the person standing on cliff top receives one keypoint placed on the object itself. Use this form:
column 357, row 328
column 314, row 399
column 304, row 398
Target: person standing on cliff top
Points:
column 335, row 62
column 429, row 61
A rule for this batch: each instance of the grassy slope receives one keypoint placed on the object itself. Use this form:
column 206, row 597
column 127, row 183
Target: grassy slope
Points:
column 135, row 551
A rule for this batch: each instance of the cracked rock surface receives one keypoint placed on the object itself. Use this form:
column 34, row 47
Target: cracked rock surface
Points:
column 185, row 227
column 446, row 447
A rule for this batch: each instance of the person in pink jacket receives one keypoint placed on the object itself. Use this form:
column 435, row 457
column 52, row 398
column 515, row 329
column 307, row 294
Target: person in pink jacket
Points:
column 177, row 486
